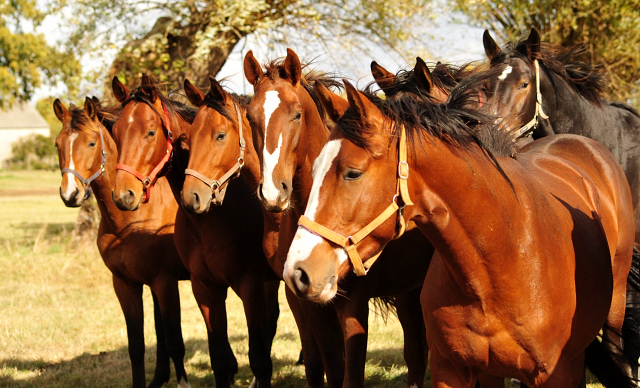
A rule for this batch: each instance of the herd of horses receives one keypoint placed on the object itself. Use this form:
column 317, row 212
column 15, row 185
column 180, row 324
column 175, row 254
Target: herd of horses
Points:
column 505, row 241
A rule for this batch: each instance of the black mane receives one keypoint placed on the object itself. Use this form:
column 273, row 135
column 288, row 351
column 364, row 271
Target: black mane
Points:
column 173, row 107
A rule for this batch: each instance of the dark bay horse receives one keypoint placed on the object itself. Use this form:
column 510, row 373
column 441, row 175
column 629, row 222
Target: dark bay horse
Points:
column 287, row 116
column 562, row 96
column 137, row 247
column 221, row 248
column 503, row 296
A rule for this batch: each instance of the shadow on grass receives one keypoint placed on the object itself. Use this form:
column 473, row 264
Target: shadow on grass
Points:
column 54, row 229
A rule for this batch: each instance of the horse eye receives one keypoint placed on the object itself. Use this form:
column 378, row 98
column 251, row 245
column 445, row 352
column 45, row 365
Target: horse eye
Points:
column 352, row 175
column 221, row 136
column 298, row 115
column 91, row 144
column 151, row 133
column 523, row 85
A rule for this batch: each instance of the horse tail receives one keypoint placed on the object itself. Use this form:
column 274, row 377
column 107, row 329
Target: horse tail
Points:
column 604, row 358
column 384, row 306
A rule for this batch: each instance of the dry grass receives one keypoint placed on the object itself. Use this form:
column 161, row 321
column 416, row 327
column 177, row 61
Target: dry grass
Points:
column 61, row 325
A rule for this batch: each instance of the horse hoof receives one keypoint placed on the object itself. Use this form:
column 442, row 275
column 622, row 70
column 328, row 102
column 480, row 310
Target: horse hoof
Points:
column 183, row 383
column 254, row 383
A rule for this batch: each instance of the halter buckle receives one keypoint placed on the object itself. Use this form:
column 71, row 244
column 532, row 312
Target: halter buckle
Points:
column 146, row 182
column 215, row 184
column 403, row 173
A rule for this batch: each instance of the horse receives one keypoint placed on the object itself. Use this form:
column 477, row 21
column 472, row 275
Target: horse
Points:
column 221, row 247
column 533, row 247
column 542, row 90
column 137, row 248
column 287, row 116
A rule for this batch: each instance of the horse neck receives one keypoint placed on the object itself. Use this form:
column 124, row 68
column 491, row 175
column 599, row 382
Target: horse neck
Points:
column 180, row 160
column 315, row 135
column 103, row 185
column 251, row 169
column 461, row 222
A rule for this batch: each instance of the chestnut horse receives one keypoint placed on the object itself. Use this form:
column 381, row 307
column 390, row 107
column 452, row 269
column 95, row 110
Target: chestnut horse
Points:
column 137, row 248
column 290, row 127
column 503, row 297
column 222, row 247
column 542, row 90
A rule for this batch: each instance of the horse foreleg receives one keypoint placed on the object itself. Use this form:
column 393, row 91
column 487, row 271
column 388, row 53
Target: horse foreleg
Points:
column 130, row 298
column 254, row 300
column 273, row 308
column 353, row 313
column 448, row 374
column 213, row 308
column 313, row 365
column 163, row 365
column 167, row 302
column 415, row 336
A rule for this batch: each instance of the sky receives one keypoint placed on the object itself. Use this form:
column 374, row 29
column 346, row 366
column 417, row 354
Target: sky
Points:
column 444, row 39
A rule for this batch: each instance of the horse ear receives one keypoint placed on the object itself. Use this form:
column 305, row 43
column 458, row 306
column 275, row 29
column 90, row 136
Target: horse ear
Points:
column 423, row 75
column 195, row 96
column 359, row 102
column 60, row 110
column 217, row 91
column 334, row 105
column 252, row 69
column 89, row 108
column 149, row 87
column 384, row 78
column 120, row 92
column 491, row 48
column 293, row 67
column 533, row 45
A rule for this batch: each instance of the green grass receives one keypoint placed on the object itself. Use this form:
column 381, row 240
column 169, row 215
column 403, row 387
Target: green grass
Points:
column 61, row 325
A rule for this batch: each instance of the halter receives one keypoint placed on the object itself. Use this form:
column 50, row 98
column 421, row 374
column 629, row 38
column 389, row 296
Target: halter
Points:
column 86, row 183
column 149, row 181
column 527, row 129
column 219, row 187
column 350, row 244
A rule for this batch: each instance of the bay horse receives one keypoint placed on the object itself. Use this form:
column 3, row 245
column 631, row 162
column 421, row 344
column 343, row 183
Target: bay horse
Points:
column 542, row 90
column 221, row 248
column 137, row 248
column 503, row 296
column 288, row 119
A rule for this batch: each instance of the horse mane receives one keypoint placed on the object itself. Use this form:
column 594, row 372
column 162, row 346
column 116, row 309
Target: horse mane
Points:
column 445, row 76
column 173, row 106
column 587, row 80
column 453, row 122
column 240, row 100
column 82, row 123
column 627, row 107
column 275, row 69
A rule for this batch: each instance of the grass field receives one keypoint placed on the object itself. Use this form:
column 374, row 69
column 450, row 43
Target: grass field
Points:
column 61, row 325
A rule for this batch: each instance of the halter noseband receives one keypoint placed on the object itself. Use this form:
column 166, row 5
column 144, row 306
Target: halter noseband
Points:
column 219, row 187
column 149, row 181
column 527, row 129
column 350, row 244
column 86, row 183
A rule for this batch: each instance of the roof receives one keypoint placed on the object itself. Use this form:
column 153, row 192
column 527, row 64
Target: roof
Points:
column 22, row 116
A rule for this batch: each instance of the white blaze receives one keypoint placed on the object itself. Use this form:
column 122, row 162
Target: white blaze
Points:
column 269, row 160
column 304, row 241
column 71, row 179
column 505, row 73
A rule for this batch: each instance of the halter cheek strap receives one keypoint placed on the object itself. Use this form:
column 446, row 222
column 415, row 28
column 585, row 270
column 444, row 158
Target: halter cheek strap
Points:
column 86, row 183
column 150, row 180
column 350, row 244
column 527, row 129
column 219, row 187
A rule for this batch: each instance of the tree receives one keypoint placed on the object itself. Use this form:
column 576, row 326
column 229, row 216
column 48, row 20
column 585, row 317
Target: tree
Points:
column 610, row 30
column 25, row 57
column 192, row 39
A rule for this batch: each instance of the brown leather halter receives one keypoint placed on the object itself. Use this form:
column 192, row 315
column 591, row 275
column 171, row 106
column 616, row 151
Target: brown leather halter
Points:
column 219, row 187
column 527, row 129
column 350, row 244
column 86, row 183
column 150, row 180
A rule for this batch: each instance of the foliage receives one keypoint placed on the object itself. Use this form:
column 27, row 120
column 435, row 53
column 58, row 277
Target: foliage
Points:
column 25, row 57
column 193, row 39
column 44, row 106
column 610, row 30
column 34, row 152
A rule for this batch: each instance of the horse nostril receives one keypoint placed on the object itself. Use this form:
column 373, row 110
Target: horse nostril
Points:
column 284, row 186
column 196, row 201
column 301, row 280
